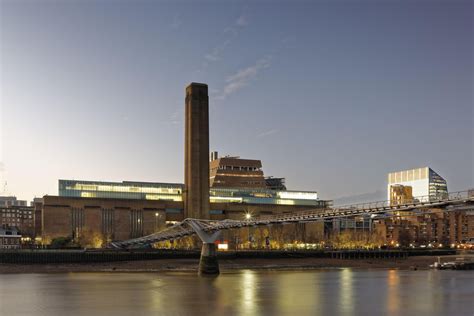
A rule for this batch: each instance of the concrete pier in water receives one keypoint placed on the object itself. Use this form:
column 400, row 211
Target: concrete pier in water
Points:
column 208, row 264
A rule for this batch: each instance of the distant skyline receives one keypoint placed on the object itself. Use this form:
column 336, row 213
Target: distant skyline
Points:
column 332, row 95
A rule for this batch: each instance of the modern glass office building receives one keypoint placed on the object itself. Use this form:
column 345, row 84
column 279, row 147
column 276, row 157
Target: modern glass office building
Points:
column 174, row 192
column 422, row 182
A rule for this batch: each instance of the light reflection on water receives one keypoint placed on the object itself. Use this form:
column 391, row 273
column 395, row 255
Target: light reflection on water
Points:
column 393, row 286
column 346, row 301
column 245, row 292
column 248, row 291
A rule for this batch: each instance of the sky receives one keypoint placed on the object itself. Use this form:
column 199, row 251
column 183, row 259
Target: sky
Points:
column 332, row 95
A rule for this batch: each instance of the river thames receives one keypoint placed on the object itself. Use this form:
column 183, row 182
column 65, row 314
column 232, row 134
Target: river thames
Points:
column 244, row 292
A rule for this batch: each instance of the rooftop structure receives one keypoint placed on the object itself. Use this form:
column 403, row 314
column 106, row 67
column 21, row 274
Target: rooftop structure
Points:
column 12, row 201
column 122, row 190
column 275, row 183
column 235, row 172
column 174, row 192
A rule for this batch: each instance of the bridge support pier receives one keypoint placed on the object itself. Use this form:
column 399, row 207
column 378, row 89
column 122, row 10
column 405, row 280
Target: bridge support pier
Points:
column 208, row 264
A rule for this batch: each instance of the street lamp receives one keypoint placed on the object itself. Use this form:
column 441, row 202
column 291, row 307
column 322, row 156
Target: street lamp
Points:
column 156, row 221
column 248, row 216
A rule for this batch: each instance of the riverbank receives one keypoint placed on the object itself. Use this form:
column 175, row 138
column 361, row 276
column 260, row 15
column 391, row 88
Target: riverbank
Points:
column 191, row 264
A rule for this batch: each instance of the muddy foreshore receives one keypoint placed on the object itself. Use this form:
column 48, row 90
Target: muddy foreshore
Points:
column 191, row 264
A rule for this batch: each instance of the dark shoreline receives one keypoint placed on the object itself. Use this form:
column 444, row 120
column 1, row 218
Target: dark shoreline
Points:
column 226, row 265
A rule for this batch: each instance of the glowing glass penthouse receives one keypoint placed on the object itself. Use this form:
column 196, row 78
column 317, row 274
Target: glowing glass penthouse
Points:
column 174, row 192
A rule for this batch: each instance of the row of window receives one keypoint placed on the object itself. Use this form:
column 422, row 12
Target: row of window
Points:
column 9, row 241
column 240, row 168
column 7, row 210
column 121, row 189
column 18, row 215
column 11, row 220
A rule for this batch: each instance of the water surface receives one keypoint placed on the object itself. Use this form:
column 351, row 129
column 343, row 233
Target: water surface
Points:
column 245, row 292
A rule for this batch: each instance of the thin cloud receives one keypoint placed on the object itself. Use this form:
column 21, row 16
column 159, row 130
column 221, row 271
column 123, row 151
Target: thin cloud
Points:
column 215, row 54
column 267, row 133
column 230, row 33
column 242, row 78
column 176, row 117
column 242, row 21
column 230, row 30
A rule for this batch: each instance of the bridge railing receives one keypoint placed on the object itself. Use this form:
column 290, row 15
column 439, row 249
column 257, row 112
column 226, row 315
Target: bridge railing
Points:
column 363, row 208
column 183, row 228
column 417, row 200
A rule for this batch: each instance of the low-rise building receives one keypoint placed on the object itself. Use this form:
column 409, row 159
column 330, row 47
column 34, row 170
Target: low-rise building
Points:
column 22, row 217
column 435, row 227
column 10, row 238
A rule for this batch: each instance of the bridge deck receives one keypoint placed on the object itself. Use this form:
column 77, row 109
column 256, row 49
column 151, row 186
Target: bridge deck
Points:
column 182, row 229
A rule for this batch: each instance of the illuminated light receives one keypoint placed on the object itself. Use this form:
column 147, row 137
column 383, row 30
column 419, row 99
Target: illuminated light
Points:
column 298, row 195
column 440, row 245
column 285, row 202
column 166, row 197
column 262, row 195
column 156, row 214
column 248, row 216
column 225, row 199
column 124, row 189
column 86, row 187
column 397, row 245
column 88, row 194
column 222, row 246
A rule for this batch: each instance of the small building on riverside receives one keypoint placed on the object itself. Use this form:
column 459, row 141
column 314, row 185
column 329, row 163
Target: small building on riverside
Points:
column 20, row 216
column 10, row 237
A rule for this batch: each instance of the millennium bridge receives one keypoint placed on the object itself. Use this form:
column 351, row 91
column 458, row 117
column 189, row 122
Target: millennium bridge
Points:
column 209, row 230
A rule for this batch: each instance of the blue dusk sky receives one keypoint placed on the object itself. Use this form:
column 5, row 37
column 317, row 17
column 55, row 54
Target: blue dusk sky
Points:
column 332, row 95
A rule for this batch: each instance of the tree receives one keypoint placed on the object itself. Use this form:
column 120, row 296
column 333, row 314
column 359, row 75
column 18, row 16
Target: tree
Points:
column 60, row 242
column 404, row 237
column 90, row 238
